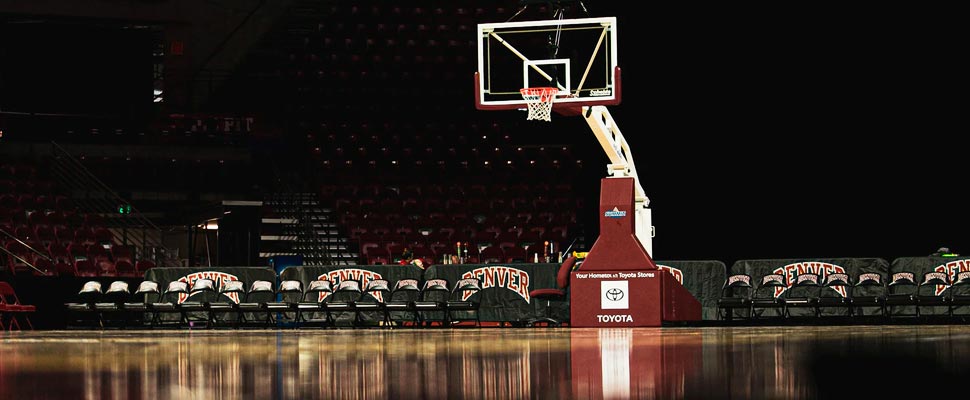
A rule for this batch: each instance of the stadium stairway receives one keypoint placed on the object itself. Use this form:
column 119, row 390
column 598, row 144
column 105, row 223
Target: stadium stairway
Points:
column 296, row 224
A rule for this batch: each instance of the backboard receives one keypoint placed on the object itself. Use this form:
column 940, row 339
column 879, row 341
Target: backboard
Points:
column 579, row 56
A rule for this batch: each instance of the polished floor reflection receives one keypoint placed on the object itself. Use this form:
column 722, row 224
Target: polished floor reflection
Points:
column 487, row 363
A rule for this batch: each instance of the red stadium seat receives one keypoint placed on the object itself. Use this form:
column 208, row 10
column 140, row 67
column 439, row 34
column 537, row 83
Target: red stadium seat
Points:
column 143, row 265
column 492, row 254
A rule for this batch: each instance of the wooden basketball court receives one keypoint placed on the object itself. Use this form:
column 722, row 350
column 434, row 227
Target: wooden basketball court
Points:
column 484, row 363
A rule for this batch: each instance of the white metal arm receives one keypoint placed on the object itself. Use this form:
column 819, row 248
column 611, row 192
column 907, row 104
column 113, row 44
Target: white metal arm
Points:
column 621, row 165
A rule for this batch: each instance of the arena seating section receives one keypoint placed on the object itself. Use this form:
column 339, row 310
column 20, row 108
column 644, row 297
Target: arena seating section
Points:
column 43, row 228
column 346, row 103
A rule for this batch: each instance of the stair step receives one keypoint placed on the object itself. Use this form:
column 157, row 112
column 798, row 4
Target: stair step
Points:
column 344, row 255
column 285, row 221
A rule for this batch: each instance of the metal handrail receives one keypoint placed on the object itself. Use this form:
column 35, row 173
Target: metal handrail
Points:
column 75, row 175
column 29, row 247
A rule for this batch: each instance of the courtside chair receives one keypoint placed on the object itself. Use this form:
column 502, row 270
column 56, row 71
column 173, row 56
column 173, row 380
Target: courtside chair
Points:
column 400, row 306
column 83, row 312
column 138, row 308
column 311, row 309
column 260, row 292
column 195, row 309
column 960, row 296
column 552, row 296
column 901, row 295
column 111, row 309
column 464, row 302
column 868, row 293
column 371, row 303
column 284, row 309
column 932, row 298
column 735, row 296
column 430, row 307
column 343, row 302
column 803, row 294
column 166, row 311
column 227, row 308
column 835, row 293
column 764, row 297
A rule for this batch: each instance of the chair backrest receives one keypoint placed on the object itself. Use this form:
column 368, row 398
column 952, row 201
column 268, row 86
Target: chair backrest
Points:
column 236, row 287
column 347, row 290
column 934, row 283
column 562, row 276
column 174, row 290
column 348, row 285
column 316, row 289
column 435, row 289
column 405, row 290
column 377, row 285
column 149, row 292
column 260, row 291
column 903, row 283
column 204, row 290
column 177, row 287
column 291, row 290
column 465, row 288
column 869, row 284
column 90, row 292
column 203, row 285
column 805, row 285
column 770, row 283
column 836, row 279
column 737, row 285
column 377, row 289
column 117, row 292
column 837, row 282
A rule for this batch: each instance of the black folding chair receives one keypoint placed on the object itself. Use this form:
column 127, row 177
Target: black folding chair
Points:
column 735, row 295
column 868, row 292
column 432, row 305
column 803, row 295
column 901, row 295
column 342, row 302
column 370, row 302
column 766, row 297
column 312, row 309
column 835, row 293
column 464, row 302
column 399, row 308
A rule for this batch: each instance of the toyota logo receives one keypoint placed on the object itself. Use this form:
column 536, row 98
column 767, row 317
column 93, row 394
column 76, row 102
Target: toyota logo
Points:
column 614, row 294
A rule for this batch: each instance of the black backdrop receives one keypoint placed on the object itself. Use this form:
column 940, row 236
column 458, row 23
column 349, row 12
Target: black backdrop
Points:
column 72, row 68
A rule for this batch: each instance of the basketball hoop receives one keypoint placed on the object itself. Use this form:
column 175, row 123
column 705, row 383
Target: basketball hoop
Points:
column 539, row 100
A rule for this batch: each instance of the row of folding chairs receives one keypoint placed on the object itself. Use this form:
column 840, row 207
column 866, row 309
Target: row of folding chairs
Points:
column 435, row 302
column 838, row 294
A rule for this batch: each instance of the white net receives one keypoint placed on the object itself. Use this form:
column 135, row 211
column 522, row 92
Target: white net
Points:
column 539, row 100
